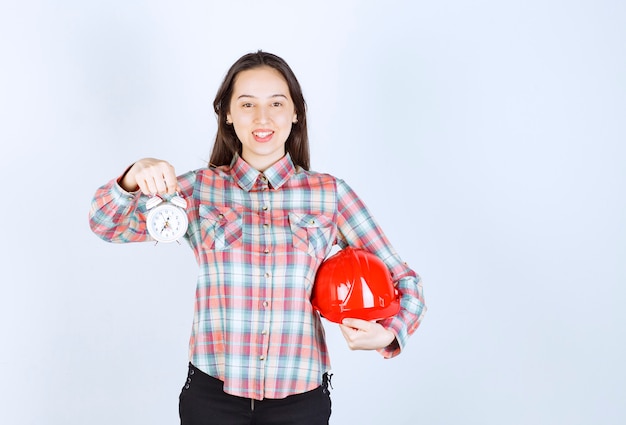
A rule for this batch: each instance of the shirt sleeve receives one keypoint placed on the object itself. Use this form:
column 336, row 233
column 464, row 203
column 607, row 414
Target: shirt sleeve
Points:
column 120, row 216
column 356, row 227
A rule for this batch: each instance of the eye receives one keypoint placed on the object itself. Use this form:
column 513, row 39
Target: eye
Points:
column 277, row 104
column 247, row 105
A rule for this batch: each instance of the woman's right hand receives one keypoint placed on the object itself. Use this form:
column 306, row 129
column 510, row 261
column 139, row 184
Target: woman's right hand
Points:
column 151, row 176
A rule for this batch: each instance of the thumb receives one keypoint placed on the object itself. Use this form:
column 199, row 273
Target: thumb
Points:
column 353, row 323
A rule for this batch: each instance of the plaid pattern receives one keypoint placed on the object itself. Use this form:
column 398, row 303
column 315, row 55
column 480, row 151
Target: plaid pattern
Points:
column 259, row 239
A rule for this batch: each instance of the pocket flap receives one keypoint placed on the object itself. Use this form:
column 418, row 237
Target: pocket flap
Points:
column 309, row 220
column 219, row 213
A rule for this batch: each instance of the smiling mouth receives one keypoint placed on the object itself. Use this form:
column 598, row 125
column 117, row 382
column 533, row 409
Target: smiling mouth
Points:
column 262, row 134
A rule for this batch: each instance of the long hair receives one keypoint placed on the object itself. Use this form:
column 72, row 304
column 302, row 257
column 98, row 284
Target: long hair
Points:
column 226, row 142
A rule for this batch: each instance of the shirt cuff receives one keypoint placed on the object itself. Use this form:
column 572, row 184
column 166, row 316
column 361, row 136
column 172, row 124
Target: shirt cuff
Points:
column 396, row 326
column 121, row 196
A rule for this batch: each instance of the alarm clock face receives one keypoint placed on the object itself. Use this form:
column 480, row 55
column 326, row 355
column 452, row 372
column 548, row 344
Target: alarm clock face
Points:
column 167, row 223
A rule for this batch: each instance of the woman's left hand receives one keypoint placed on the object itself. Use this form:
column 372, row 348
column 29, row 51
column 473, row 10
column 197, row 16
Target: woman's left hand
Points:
column 364, row 335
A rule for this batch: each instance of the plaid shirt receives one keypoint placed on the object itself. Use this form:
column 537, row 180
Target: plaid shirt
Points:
column 259, row 239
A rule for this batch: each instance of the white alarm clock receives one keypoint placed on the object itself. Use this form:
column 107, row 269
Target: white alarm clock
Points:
column 167, row 220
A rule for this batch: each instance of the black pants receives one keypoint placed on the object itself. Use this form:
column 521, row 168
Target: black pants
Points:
column 204, row 402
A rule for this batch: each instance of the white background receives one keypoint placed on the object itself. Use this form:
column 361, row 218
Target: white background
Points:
column 487, row 137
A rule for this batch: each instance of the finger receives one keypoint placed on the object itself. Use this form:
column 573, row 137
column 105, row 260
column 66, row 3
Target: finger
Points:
column 348, row 333
column 145, row 180
column 143, row 186
column 356, row 323
column 149, row 184
column 164, row 176
column 159, row 183
column 357, row 339
column 346, row 330
column 170, row 182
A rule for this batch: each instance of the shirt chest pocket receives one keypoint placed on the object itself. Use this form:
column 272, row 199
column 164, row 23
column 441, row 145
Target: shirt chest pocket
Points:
column 311, row 233
column 221, row 227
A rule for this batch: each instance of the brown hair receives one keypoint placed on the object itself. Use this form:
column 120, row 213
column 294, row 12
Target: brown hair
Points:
column 226, row 141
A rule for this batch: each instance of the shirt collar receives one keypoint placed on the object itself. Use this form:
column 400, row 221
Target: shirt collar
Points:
column 246, row 176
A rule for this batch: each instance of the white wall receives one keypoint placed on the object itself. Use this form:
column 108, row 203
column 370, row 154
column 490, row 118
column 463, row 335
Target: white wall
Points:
column 487, row 138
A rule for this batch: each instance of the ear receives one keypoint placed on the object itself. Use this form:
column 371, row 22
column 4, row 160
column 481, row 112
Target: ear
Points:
column 228, row 120
column 295, row 118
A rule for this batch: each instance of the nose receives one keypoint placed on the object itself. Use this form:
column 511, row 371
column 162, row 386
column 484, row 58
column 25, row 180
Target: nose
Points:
column 262, row 115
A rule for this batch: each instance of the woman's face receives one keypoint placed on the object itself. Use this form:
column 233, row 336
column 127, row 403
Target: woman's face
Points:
column 262, row 112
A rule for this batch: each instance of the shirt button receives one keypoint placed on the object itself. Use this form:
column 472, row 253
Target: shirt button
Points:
column 261, row 357
column 263, row 332
column 266, row 251
column 266, row 303
column 268, row 274
column 265, row 225
column 265, row 207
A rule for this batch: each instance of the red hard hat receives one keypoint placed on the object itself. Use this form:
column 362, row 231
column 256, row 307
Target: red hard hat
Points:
column 354, row 283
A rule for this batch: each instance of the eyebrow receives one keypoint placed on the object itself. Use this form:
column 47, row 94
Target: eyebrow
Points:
column 254, row 97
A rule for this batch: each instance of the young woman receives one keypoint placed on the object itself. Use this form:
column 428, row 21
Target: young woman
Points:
column 260, row 225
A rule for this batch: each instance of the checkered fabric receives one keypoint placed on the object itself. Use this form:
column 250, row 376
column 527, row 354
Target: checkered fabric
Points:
column 259, row 239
